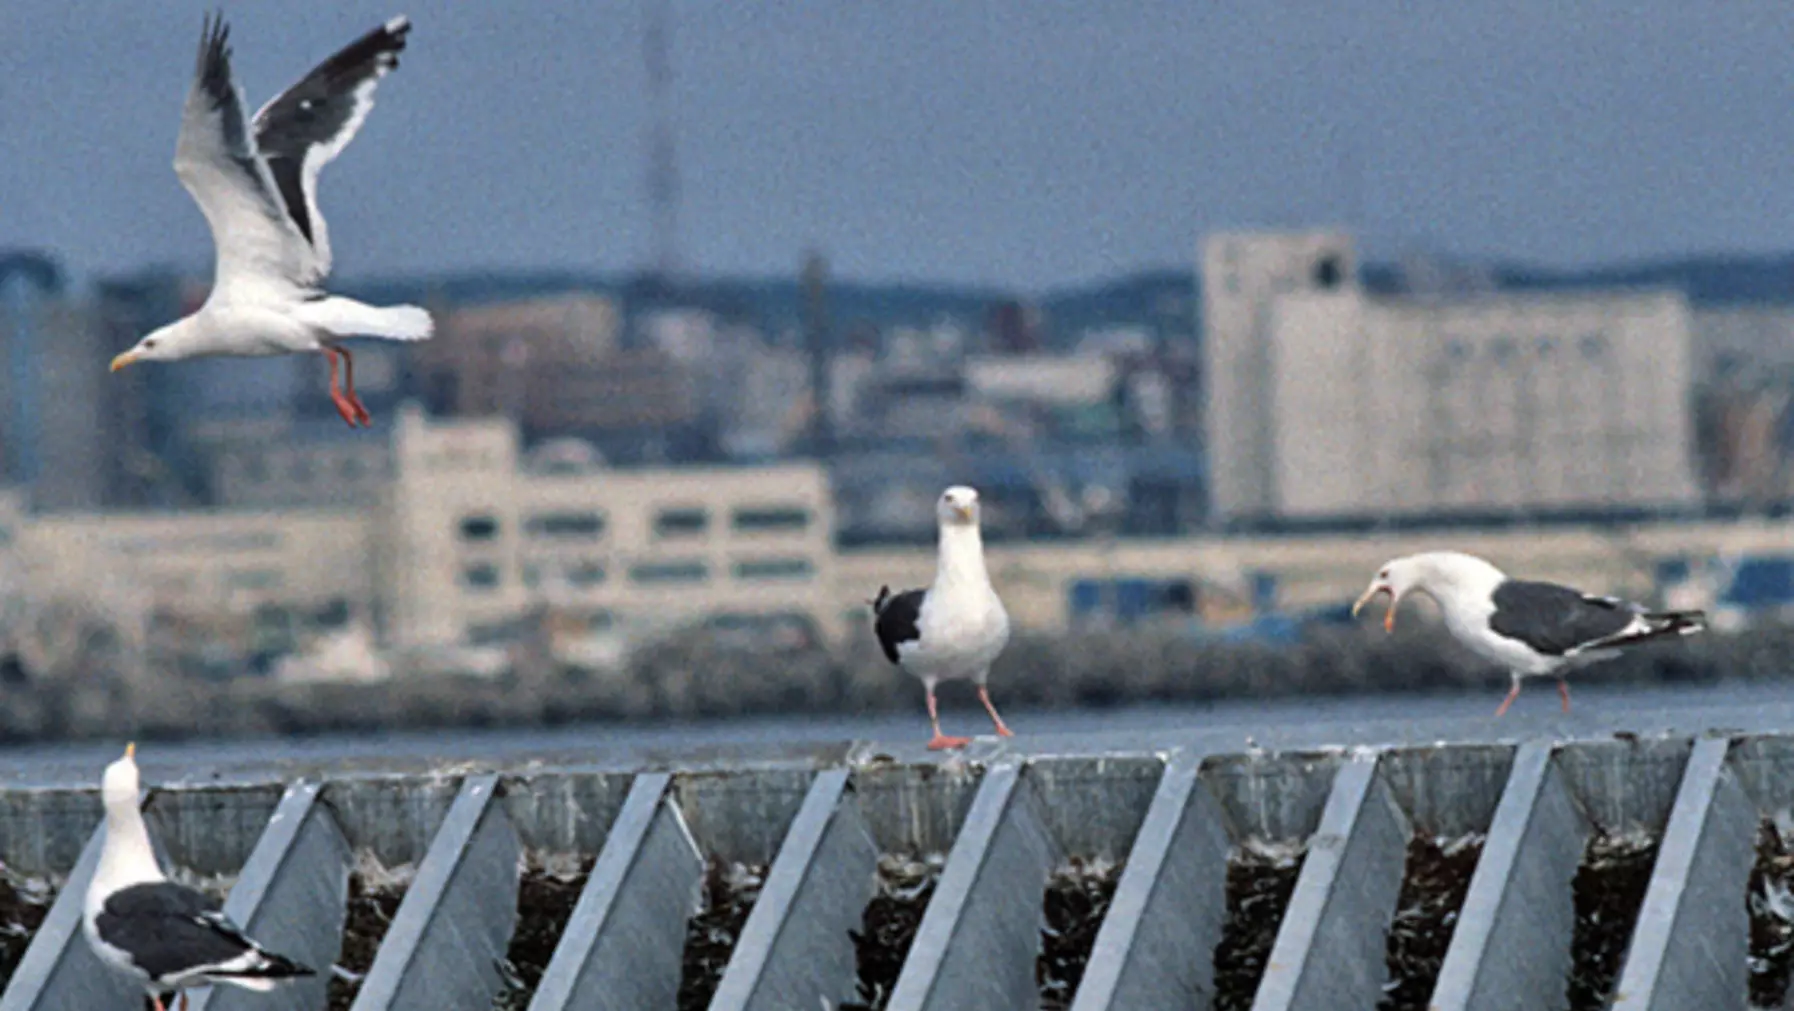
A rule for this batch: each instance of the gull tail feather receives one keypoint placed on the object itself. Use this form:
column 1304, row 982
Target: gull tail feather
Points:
column 346, row 317
column 1654, row 625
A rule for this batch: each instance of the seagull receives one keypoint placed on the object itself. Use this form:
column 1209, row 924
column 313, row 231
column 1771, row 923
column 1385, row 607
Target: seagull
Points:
column 955, row 628
column 164, row 936
column 256, row 181
column 1530, row 628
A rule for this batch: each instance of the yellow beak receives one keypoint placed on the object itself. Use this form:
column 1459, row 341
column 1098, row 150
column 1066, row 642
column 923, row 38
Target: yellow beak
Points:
column 123, row 360
column 964, row 512
column 131, row 750
column 1370, row 595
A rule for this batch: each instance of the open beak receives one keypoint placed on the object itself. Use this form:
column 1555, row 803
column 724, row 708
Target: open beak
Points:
column 123, row 360
column 1370, row 595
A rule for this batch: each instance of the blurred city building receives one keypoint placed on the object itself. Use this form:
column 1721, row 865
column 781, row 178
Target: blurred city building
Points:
column 475, row 532
column 1326, row 402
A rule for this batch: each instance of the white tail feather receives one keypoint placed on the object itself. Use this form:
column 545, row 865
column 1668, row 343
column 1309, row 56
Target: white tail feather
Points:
column 346, row 317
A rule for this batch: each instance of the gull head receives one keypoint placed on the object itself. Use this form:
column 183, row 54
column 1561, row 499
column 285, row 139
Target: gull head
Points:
column 1434, row 573
column 958, row 507
column 119, row 787
column 1392, row 580
column 161, row 345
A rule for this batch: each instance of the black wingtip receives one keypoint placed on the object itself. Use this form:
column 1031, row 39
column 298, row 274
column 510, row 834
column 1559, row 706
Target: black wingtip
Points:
column 884, row 595
column 213, row 64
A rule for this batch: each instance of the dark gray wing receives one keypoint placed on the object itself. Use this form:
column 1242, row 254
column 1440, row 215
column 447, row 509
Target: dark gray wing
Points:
column 300, row 130
column 897, row 617
column 1554, row 619
column 169, row 929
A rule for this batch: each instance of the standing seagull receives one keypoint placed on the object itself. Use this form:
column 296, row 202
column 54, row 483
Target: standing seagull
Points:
column 258, row 189
column 1530, row 628
column 956, row 627
column 166, row 937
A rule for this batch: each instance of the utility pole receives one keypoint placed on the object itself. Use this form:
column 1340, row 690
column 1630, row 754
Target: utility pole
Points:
column 816, row 345
column 662, row 156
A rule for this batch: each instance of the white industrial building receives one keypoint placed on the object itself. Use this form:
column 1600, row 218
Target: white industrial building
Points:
column 1325, row 401
column 474, row 534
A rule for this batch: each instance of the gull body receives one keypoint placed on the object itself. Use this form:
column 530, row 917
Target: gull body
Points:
column 256, row 183
column 1530, row 628
column 955, row 629
column 163, row 936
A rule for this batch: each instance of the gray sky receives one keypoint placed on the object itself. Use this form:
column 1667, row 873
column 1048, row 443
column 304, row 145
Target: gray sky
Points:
column 1022, row 142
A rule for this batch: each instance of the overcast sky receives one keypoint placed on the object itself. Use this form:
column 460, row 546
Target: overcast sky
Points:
column 1020, row 142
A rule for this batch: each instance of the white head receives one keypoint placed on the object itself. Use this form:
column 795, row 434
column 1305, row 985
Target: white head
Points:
column 127, row 857
column 958, row 507
column 1438, row 574
column 120, row 786
column 164, row 344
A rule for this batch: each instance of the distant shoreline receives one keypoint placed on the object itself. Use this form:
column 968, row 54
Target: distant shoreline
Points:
column 693, row 677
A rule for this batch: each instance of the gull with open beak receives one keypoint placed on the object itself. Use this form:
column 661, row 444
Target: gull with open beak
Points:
column 1529, row 628
column 1378, row 587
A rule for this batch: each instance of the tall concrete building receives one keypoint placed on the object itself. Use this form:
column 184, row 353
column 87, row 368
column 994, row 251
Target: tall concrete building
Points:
column 1327, row 402
column 1242, row 277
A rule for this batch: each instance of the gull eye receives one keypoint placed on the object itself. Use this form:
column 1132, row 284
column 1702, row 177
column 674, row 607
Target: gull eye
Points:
column 149, row 343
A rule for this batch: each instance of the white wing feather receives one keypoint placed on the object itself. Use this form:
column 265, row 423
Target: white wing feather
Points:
column 259, row 250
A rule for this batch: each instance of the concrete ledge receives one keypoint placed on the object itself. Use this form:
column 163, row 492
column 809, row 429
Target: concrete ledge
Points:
column 1330, row 946
column 1156, row 945
column 1511, row 949
column 59, row 971
column 1688, row 946
column 624, row 943
column 290, row 896
column 794, row 950
column 454, row 925
column 976, row 946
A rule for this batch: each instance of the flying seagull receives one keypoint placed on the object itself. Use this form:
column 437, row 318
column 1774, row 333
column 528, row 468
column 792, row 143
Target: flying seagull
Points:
column 1533, row 629
column 164, row 936
column 955, row 628
column 257, row 183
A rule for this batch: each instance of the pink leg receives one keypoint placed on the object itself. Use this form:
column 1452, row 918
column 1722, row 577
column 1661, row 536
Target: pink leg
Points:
column 941, row 742
column 1512, row 694
column 361, row 411
column 343, row 407
column 984, row 697
column 1563, row 689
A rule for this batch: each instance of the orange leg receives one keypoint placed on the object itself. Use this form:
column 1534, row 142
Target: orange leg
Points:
column 343, row 406
column 361, row 411
column 940, row 741
column 183, row 1000
column 1563, row 689
column 1513, row 693
column 984, row 697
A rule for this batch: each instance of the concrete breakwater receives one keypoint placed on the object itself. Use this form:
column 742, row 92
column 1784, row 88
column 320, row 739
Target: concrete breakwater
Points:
column 1475, row 874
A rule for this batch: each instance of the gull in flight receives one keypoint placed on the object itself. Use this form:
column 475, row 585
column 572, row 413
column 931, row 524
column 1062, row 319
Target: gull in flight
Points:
column 256, row 181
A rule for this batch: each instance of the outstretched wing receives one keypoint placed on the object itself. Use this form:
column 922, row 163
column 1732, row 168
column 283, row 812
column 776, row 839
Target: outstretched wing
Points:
column 257, row 246
column 303, row 128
